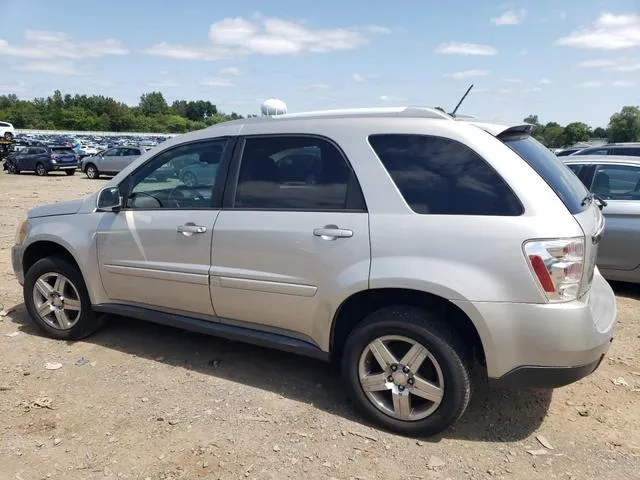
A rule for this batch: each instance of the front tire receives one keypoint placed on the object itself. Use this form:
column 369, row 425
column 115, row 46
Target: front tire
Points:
column 405, row 369
column 57, row 300
column 8, row 136
column 92, row 171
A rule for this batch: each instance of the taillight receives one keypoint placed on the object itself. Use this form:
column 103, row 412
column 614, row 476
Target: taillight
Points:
column 558, row 266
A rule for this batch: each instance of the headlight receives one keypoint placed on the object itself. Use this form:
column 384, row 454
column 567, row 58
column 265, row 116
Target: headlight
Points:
column 21, row 232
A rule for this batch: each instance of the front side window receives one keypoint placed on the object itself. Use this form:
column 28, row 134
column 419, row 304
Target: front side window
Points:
column 158, row 185
column 295, row 173
column 617, row 182
column 440, row 176
column 114, row 152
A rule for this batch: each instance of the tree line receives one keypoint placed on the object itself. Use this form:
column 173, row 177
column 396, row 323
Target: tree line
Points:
column 623, row 126
column 154, row 114
column 100, row 113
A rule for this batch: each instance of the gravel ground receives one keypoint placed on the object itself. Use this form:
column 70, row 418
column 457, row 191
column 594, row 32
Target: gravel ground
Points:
column 140, row 401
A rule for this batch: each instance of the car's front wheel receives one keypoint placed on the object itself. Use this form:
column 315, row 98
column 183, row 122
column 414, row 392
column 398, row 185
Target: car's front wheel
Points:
column 405, row 369
column 92, row 171
column 70, row 172
column 57, row 300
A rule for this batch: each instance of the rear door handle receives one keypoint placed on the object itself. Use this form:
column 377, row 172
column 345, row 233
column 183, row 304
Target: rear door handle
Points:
column 331, row 232
column 189, row 229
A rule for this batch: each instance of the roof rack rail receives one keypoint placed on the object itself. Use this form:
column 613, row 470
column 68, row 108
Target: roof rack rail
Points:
column 409, row 111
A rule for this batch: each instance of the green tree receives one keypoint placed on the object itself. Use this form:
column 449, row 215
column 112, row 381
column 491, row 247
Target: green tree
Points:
column 532, row 119
column 553, row 135
column 153, row 104
column 599, row 132
column 625, row 126
column 576, row 132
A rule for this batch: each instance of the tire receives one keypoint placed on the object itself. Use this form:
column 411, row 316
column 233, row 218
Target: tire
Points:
column 84, row 322
column 70, row 172
column 41, row 171
column 11, row 168
column 92, row 171
column 398, row 325
column 8, row 135
column 189, row 179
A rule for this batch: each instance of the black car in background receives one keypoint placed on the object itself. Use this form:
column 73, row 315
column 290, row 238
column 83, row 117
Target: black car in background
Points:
column 43, row 159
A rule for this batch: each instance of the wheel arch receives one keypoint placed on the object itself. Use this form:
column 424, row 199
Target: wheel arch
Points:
column 360, row 304
column 47, row 248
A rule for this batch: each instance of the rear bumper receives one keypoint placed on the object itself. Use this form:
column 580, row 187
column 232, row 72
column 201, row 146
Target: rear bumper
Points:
column 545, row 345
column 64, row 166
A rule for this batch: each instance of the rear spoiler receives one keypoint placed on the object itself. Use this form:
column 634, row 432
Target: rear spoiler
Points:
column 501, row 129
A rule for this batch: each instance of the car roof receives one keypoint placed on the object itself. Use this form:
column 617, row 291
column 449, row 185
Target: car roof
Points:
column 493, row 127
column 601, row 159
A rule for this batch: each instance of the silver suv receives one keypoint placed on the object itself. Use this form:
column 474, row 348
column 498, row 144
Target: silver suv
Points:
column 403, row 244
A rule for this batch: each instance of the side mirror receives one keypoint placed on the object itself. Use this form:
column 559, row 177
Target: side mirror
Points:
column 109, row 200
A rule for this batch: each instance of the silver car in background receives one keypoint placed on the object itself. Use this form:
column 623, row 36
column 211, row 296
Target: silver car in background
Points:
column 616, row 180
column 110, row 161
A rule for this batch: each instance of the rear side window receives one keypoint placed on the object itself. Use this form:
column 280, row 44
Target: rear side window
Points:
column 440, row 176
column 628, row 151
column 558, row 176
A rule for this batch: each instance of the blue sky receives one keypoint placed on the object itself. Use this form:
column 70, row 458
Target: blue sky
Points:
column 565, row 60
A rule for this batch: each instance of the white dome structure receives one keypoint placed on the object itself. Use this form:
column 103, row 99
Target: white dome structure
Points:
column 273, row 106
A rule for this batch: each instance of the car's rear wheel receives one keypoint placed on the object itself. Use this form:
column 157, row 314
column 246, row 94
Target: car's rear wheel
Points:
column 41, row 171
column 70, row 172
column 405, row 370
column 92, row 171
column 57, row 300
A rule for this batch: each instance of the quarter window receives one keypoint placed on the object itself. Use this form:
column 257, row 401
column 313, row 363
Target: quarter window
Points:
column 617, row 182
column 438, row 175
column 295, row 173
column 166, row 182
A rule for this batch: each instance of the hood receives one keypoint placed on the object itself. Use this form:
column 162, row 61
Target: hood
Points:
column 62, row 208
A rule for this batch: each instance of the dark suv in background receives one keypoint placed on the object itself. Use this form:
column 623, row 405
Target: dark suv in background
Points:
column 625, row 149
column 43, row 159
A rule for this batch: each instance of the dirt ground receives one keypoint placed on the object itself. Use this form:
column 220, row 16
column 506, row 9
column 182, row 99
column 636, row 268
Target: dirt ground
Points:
column 140, row 401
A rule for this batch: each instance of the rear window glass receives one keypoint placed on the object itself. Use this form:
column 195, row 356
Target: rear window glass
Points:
column 440, row 176
column 62, row 150
column 559, row 177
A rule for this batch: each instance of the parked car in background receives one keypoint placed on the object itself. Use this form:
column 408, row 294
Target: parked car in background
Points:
column 617, row 181
column 7, row 131
column 626, row 149
column 563, row 152
column 408, row 247
column 43, row 159
column 110, row 161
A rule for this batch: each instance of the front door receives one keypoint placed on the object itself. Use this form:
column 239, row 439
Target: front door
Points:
column 109, row 160
column 156, row 251
column 292, row 239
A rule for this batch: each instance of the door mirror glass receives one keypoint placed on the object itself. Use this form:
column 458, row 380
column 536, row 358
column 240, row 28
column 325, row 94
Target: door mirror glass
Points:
column 109, row 200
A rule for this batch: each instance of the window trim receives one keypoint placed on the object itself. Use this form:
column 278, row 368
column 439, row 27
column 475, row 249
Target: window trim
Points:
column 125, row 185
column 355, row 200
column 484, row 160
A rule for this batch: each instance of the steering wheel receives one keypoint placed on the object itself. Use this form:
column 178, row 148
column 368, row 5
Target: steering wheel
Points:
column 134, row 195
column 183, row 194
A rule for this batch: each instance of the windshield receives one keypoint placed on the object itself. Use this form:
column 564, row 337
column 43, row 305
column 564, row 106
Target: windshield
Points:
column 559, row 177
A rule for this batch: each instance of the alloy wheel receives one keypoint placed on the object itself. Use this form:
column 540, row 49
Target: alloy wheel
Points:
column 57, row 301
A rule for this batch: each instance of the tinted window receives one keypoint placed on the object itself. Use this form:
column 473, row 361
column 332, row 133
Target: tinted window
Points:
column 441, row 176
column 62, row 150
column 2, row 124
column 596, row 151
column 617, row 182
column 114, row 152
column 158, row 185
column 575, row 168
column 557, row 175
column 629, row 151
column 295, row 173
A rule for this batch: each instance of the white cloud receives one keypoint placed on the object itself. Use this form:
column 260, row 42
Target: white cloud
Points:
column 589, row 84
column 623, row 83
column 217, row 82
column 609, row 32
column 9, row 88
column 510, row 17
column 51, row 45
column 545, row 81
column 618, row 64
column 512, row 80
column 533, row 89
column 236, row 36
column 468, row 74
column 458, row 48
column 230, row 71
column 390, row 98
column 52, row 68
column 362, row 78
column 317, row 86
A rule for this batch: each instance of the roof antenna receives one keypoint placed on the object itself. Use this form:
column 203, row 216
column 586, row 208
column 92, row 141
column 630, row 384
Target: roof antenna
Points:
column 453, row 114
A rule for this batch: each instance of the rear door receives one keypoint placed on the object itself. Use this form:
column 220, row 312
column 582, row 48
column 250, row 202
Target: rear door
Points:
column 619, row 185
column 286, row 247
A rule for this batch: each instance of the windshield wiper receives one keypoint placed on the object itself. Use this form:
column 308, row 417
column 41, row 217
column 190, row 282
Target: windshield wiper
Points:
column 587, row 200
column 600, row 202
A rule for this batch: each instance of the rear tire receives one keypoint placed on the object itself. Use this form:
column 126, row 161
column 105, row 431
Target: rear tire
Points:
column 70, row 172
column 79, row 317
column 441, row 375
column 41, row 171
column 92, row 171
column 8, row 136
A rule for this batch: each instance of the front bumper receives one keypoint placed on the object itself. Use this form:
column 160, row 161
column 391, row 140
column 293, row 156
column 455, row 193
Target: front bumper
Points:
column 17, row 252
column 545, row 345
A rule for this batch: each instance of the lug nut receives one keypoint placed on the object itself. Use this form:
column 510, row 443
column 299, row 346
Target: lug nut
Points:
column 400, row 387
column 394, row 367
column 390, row 378
column 405, row 369
column 410, row 381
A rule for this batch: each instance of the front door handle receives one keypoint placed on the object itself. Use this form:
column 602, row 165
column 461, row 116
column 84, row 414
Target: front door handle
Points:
column 331, row 232
column 190, row 228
